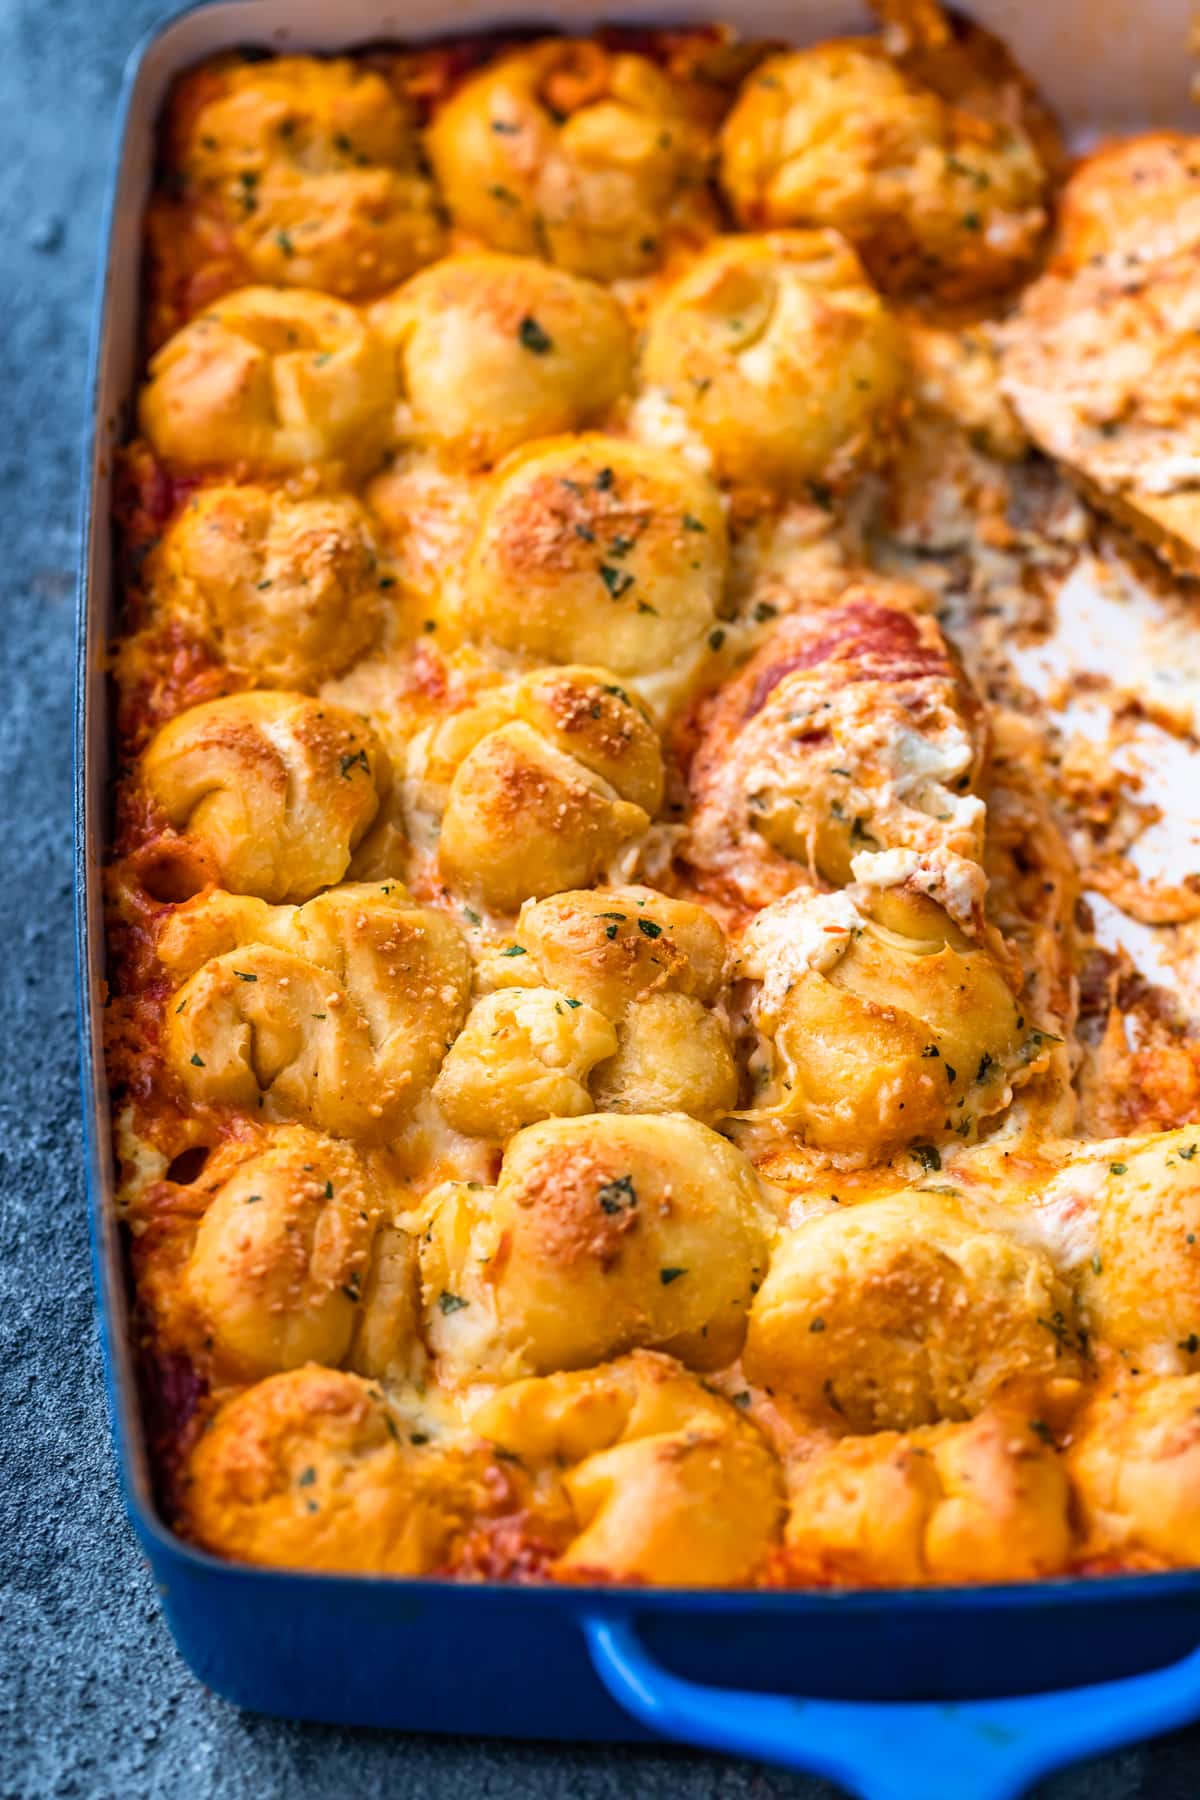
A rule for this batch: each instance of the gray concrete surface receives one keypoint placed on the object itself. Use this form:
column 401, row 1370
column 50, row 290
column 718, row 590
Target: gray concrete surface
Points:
column 93, row 1699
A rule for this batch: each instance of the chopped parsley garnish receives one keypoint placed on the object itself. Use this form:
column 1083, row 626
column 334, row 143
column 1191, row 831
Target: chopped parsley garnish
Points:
column 329, row 1190
column 572, row 1003
column 514, row 950
column 617, row 581
column 1056, row 1325
column 1040, row 1429
column 692, row 524
column 285, row 243
column 1118, row 1168
column 351, row 1287
column 532, row 336
column 244, row 975
column 197, row 1060
column 927, row 1155
column 604, row 480
column 451, row 1303
column 817, row 1324
column 649, row 929
column 352, row 760
column 306, row 1477
column 716, row 639
column 618, row 1195
column 667, row 1276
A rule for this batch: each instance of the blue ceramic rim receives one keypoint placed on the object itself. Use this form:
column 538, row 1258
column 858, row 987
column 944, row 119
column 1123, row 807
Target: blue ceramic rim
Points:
column 156, row 1537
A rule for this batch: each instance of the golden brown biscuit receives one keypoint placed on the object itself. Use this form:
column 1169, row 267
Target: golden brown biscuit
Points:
column 782, row 356
column 884, row 1025
column 275, row 378
column 905, row 1311
column 288, row 591
column 667, row 1482
column 1135, row 1469
column 984, row 1501
column 274, row 790
column 594, row 549
column 314, row 167
column 337, row 1013
column 492, row 351
column 931, row 190
column 311, row 1470
column 567, row 150
column 281, row 1255
column 603, row 1233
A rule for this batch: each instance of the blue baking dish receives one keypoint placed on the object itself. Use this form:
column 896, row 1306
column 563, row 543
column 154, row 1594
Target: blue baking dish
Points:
column 890, row 1694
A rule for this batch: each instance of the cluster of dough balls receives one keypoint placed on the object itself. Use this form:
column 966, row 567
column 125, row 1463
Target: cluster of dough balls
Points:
column 620, row 1329
column 631, row 1471
column 934, row 1347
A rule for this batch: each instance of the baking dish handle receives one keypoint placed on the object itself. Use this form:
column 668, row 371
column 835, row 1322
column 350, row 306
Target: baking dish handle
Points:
column 898, row 1750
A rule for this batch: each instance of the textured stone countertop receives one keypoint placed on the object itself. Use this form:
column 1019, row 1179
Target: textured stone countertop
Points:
column 94, row 1700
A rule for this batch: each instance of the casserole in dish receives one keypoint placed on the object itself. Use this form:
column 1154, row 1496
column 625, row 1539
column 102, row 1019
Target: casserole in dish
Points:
column 529, row 764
